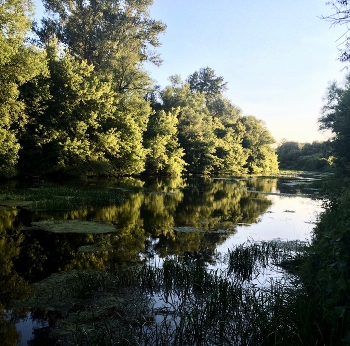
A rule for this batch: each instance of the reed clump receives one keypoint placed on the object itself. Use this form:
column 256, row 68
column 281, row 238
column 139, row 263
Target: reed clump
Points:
column 183, row 302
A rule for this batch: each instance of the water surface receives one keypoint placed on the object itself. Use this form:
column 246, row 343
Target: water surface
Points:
column 157, row 218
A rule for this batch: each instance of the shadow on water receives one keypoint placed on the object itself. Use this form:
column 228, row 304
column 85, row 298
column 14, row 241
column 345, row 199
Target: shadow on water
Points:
column 153, row 218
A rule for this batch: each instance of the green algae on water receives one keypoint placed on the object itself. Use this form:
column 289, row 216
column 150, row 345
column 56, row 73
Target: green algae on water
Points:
column 73, row 226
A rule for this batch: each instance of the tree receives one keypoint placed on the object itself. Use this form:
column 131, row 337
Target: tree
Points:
column 19, row 63
column 257, row 142
column 69, row 112
column 114, row 38
column 206, row 82
column 230, row 133
column 164, row 153
column 341, row 16
column 336, row 118
column 97, row 31
column 195, row 129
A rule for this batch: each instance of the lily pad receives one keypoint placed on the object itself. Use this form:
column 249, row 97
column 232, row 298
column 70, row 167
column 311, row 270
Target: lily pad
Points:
column 74, row 226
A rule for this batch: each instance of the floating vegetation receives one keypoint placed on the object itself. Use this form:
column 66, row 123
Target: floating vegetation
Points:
column 13, row 204
column 53, row 197
column 73, row 226
column 188, row 229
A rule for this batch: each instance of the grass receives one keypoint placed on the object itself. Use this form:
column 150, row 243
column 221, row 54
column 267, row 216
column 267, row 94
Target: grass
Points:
column 181, row 302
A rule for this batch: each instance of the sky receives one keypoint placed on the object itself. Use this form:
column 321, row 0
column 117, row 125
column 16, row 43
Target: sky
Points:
column 277, row 56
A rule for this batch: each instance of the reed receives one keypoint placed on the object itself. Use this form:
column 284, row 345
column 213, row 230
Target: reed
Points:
column 184, row 303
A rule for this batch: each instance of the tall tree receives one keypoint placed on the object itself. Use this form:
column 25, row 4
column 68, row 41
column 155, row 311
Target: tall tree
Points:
column 336, row 118
column 100, row 31
column 196, row 127
column 19, row 63
column 206, row 82
column 257, row 142
column 115, row 37
column 164, row 153
column 68, row 111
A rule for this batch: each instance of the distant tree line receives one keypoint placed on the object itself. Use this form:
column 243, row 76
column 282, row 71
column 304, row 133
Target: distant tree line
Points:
column 315, row 156
column 75, row 98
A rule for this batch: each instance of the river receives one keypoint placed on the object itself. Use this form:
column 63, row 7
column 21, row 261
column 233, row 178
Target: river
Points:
column 155, row 218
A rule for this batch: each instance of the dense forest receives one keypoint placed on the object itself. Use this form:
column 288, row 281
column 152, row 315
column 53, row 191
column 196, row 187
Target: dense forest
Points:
column 75, row 99
column 315, row 156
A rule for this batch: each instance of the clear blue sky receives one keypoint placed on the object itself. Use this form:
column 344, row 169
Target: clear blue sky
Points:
column 277, row 56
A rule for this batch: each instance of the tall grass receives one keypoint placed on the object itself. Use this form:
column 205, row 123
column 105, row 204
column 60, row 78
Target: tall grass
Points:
column 182, row 302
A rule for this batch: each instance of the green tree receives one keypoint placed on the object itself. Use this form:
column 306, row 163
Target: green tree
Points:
column 196, row 127
column 288, row 154
column 68, row 112
column 315, row 156
column 206, row 82
column 19, row 63
column 209, row 128
column 230, row 132
column 164, row 153
column 116, row 38
column 257, row 142
column 229, row 155
column 336, row 118
column 102, row 31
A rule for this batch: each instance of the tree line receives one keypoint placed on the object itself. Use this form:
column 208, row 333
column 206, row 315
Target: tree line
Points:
column 75, row 99
column 315, row 156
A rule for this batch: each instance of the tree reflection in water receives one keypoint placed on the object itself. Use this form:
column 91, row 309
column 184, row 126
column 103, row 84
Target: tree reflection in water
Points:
column 180, row 216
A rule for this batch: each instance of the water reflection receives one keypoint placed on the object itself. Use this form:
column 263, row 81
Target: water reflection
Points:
column 148, row 222
column 161, row 217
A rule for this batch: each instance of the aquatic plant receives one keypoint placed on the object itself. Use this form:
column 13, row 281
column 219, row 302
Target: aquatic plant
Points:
column 73, row 226
column 55, row 197
column 181, row 302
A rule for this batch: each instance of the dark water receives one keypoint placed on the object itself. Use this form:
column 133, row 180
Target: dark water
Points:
column 158, row 217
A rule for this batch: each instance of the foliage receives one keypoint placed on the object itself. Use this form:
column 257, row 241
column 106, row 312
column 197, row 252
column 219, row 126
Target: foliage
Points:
column 315, row 156
column 205, row 82
column 257, row 143
column 164, row 152
column 67, row 112
column 77, row 101
column 325, row 269
column 109, row 40
column 19, row 63
column 213, row 132
column 107, row 34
